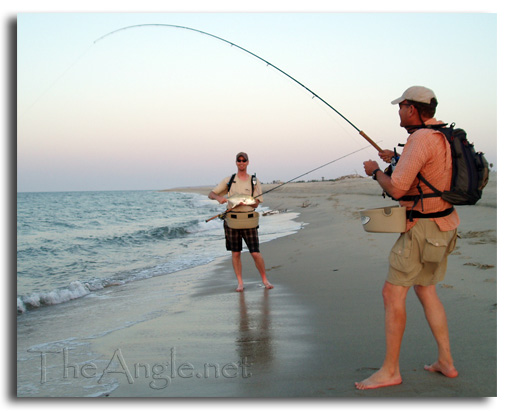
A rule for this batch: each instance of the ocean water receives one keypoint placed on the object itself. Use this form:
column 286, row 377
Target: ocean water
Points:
column 73, row 244
column 91, row 264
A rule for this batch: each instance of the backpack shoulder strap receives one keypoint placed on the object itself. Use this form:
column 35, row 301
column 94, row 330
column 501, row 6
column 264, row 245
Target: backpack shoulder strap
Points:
column 229, row 184
column 435, row 190
column 254, row 182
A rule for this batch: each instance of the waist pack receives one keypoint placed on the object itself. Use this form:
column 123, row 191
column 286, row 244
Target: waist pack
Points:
column 384, row 219
column 470, row 170
column 242, row 220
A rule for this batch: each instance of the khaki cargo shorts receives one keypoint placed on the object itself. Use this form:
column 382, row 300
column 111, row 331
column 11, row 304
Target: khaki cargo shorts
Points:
column 420, row 256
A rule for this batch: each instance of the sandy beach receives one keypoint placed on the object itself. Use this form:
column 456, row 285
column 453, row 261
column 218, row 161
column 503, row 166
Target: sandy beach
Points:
column 189, row 334
column 321, row 328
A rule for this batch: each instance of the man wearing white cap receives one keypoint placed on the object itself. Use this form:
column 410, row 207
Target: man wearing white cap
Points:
column 419, row 257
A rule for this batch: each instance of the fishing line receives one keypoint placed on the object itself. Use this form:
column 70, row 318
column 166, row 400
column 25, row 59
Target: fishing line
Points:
column 57, row 79
column 369, row 140
column 311, row 171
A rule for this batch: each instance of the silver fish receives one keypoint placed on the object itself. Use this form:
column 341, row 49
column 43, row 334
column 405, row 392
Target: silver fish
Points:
column 237, row 199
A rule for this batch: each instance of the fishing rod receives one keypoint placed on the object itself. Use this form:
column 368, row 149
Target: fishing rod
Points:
column 362, row 133
column 222, row 215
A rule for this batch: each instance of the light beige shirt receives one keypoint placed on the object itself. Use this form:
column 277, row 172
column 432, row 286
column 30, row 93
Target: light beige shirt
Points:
column 240, row 187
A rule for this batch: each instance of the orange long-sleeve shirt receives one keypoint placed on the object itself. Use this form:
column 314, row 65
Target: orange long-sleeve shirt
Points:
column 427, row 152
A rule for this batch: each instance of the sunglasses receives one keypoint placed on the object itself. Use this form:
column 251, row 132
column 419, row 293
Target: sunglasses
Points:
column 241, row 160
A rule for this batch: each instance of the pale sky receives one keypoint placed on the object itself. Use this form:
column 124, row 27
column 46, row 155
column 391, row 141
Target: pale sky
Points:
column 160, row 107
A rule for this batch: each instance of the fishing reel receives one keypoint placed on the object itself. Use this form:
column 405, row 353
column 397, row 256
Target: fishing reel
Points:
column 394, row 160
column 388, row 171
column 390, row 168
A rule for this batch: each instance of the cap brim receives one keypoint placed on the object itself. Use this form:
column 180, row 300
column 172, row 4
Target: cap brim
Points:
column 398, row 100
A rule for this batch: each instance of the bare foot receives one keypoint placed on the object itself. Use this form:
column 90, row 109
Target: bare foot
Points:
column 268, row 285
column 240, row 288
column 378, row 380
column 448, row 371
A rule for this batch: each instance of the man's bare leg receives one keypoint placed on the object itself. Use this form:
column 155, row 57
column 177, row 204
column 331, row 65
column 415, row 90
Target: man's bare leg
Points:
column 238, row 269
column 436, row 317
column 395, row 318
column 259, row 263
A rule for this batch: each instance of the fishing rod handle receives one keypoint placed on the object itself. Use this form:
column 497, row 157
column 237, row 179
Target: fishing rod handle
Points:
column 370, row 141
column 212, row 218
column 220, row 215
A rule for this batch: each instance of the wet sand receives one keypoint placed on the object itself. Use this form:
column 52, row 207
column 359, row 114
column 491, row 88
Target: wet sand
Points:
column 321, row 328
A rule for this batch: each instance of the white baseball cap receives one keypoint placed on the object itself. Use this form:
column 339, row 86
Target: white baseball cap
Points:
column 419, row 94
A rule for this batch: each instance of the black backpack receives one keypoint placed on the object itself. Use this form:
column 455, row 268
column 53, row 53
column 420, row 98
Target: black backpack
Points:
column 470, row 170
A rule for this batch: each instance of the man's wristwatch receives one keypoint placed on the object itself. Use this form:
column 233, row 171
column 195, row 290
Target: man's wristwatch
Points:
column 374, row 174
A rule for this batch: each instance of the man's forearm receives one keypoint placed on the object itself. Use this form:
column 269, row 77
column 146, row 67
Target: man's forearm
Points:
column 386, row 183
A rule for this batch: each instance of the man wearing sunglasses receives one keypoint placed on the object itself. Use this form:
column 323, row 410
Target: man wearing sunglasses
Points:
column 419, row 257
column 241, row 183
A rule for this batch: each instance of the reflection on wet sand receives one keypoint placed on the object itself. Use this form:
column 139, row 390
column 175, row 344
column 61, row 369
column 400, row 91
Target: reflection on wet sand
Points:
column 254, row 341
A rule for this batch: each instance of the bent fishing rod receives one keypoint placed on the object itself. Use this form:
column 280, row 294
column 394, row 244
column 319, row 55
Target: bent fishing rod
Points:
column 222, row 215
column 362, row 133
